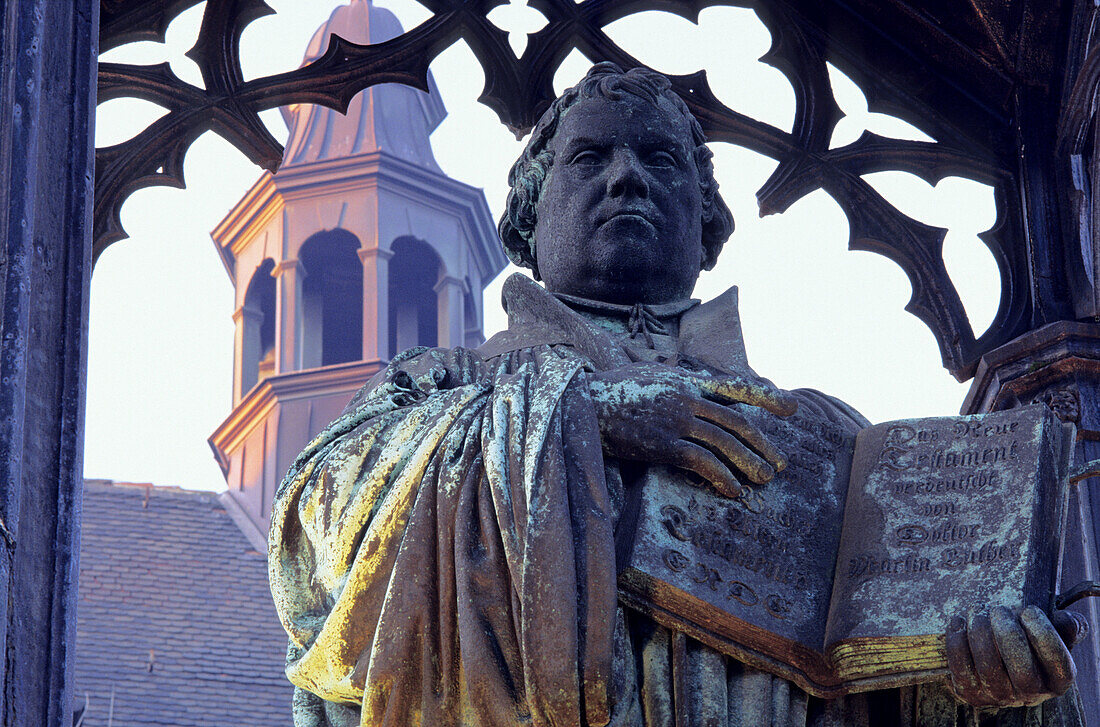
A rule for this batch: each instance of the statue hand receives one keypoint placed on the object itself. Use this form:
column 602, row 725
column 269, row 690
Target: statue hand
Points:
column 661, row 415
column 1005, row 659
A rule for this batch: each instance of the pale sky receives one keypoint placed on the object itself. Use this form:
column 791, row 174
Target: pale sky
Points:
column 814, row 314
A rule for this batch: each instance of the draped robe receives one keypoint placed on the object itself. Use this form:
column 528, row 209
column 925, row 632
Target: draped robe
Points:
column 444, row 552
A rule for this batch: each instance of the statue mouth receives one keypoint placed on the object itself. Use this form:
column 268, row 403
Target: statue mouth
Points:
column 629, row 215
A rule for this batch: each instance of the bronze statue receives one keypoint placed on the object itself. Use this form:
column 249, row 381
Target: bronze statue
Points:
column 445, row 552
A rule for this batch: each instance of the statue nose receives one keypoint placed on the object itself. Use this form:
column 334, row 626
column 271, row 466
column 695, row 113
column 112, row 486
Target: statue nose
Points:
column 626, row 177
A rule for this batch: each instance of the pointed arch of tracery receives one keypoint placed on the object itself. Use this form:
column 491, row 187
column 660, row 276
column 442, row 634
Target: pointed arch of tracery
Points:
column 972, row 122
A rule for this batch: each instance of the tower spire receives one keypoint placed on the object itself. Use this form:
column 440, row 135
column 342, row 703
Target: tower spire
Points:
column 359, row 247
column 391, row 118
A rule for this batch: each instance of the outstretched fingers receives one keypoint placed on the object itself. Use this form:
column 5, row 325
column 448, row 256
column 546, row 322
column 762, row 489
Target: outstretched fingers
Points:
column 701, row 461
column 738, row 389
column 964, row 677
column 987, row 660
column 1003, row 659
column 730, row 450
column 1019, row 661
column 733, row 421
column 1050, row 650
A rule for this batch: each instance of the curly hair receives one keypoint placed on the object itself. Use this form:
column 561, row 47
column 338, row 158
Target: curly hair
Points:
column 529, row 173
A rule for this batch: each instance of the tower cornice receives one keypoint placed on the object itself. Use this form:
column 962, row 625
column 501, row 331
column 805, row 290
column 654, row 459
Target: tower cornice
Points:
column 381, row 170
column 255, row 209
column 260, row 402
column 374, row 170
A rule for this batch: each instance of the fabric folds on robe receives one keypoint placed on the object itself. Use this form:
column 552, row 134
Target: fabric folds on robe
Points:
column 444, row 553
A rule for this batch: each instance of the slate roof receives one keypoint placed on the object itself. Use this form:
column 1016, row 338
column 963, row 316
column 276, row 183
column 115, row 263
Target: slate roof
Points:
column 174, row 615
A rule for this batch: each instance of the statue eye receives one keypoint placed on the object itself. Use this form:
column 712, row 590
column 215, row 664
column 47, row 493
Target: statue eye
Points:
column 661, row 159
column 586, row 157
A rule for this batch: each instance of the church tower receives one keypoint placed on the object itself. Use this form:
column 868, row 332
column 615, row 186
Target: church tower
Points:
column 358, row 248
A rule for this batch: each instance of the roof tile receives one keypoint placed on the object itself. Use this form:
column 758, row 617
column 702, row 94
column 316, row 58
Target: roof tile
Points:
column 175, row 622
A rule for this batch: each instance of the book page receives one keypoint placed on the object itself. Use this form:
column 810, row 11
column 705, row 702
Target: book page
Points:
column 942, row 518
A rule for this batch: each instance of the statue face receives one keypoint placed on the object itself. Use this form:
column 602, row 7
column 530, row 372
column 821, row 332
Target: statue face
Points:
column 619, row 216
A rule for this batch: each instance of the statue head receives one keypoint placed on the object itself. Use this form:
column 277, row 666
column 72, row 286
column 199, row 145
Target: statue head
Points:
column 614, row 197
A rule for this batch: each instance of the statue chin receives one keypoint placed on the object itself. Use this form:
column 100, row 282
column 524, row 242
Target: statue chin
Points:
column 631, row 271
column 628, row 284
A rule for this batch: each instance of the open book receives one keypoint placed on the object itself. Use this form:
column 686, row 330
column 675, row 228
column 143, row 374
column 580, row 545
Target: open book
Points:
column 842, row 572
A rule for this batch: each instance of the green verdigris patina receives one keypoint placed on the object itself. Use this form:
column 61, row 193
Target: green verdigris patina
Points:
column 446, row 553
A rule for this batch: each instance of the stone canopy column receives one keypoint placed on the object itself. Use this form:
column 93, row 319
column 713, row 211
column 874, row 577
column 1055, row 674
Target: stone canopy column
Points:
column 1059, row 365
column 376, row 304
column 288, row 276
column 246, row 349
column 451, row 318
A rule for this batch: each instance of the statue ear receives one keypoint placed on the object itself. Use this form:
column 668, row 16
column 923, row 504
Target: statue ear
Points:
column 709, row 259
column 530, row 258
column 717, row 228
column 518, row 246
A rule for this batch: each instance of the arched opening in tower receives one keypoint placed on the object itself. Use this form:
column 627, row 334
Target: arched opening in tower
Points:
column 332, row 299
column 258, row 336
column 413, row 302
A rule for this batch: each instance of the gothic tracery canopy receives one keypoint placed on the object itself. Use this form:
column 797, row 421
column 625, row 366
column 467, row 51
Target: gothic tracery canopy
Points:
column 964, row 72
